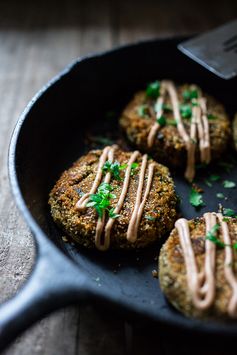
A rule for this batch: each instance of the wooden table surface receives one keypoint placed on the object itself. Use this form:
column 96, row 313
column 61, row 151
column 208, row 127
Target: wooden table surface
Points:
column 37, row 39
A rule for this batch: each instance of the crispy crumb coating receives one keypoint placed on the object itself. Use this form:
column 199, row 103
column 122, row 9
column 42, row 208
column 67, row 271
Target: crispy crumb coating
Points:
column 172, row 271
column 169, row 147
column 158, row 216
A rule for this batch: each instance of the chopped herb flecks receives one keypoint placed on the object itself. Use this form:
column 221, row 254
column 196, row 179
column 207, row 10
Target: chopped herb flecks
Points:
column 229, row 212
column 186, row 111
column 153, row 90
column 195, row 198
column 112, row 214
column 229, row 184
column 171, row 122
column 211, row 117
column 190, row 94
column 143, row 110
column 150, row 218
column 167, row 108
column 113, row 167
column 214, row 177
column 220, row 195
column 211, row 235
column 161, row 120
column 208, row 183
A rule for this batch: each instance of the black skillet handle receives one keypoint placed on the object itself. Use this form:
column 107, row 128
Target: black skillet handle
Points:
column 54, row 283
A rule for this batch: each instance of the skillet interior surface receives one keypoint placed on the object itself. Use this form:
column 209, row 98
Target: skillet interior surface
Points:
column 55, row 131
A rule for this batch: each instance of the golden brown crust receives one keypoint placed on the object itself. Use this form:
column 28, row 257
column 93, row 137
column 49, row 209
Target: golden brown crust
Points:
column 172, row 271
column 159, row 211
column 169, row 147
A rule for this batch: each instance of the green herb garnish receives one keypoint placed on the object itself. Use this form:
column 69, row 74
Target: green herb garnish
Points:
column 186, row 111
column 228, row 212
column 229, row 184
column 190, row 94
column 133, row 167
column 150, row 218
column 211, row 235
column 167, row 108
column 214, row 177
column 101, row 200
column 195, row 198
column 208, row 183
column 153, row 89
column 143, row 110
column 161, row 120
column 171, row 122
column 112, row 214
column 113, row 167
column 211, row 117
column 220, row 195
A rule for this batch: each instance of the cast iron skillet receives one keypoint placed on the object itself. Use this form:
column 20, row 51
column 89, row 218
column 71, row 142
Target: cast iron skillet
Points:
column 48, row 137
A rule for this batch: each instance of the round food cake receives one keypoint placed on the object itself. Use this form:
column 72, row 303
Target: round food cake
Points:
column 178, row 125
column 112, row 198
column 198, row 266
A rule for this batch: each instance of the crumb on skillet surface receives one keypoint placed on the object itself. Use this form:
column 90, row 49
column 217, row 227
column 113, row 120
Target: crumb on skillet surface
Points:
column 172, row 271
column 169, row 147
column 158, row 216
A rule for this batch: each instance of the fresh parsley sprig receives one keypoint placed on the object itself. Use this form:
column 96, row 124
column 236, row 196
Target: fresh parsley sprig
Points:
column 190, row 94
column 143, row 111
column 229, row 212
column 101, row 200
column 195, row 198
column 185, row 110
column 153, row 90
column 229, row 184
column 115, row 168
column 212, row 236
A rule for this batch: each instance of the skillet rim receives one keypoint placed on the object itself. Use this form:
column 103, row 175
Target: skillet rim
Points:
column 197, row 325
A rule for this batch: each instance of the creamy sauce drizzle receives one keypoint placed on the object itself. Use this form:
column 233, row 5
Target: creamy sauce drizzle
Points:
column 199, row 123
column 202, row 284
column 108, row 154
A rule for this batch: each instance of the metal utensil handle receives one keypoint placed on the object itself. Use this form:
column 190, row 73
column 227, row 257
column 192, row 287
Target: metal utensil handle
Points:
column 54, row 283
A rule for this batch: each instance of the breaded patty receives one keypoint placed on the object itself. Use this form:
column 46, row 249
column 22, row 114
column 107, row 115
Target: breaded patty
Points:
column 173, row 271
column 159, row 210
column 169, row 147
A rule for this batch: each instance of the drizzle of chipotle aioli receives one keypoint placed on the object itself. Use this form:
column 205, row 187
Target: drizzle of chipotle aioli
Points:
column 202, row 284
column 108, row 154
column 199, row 123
